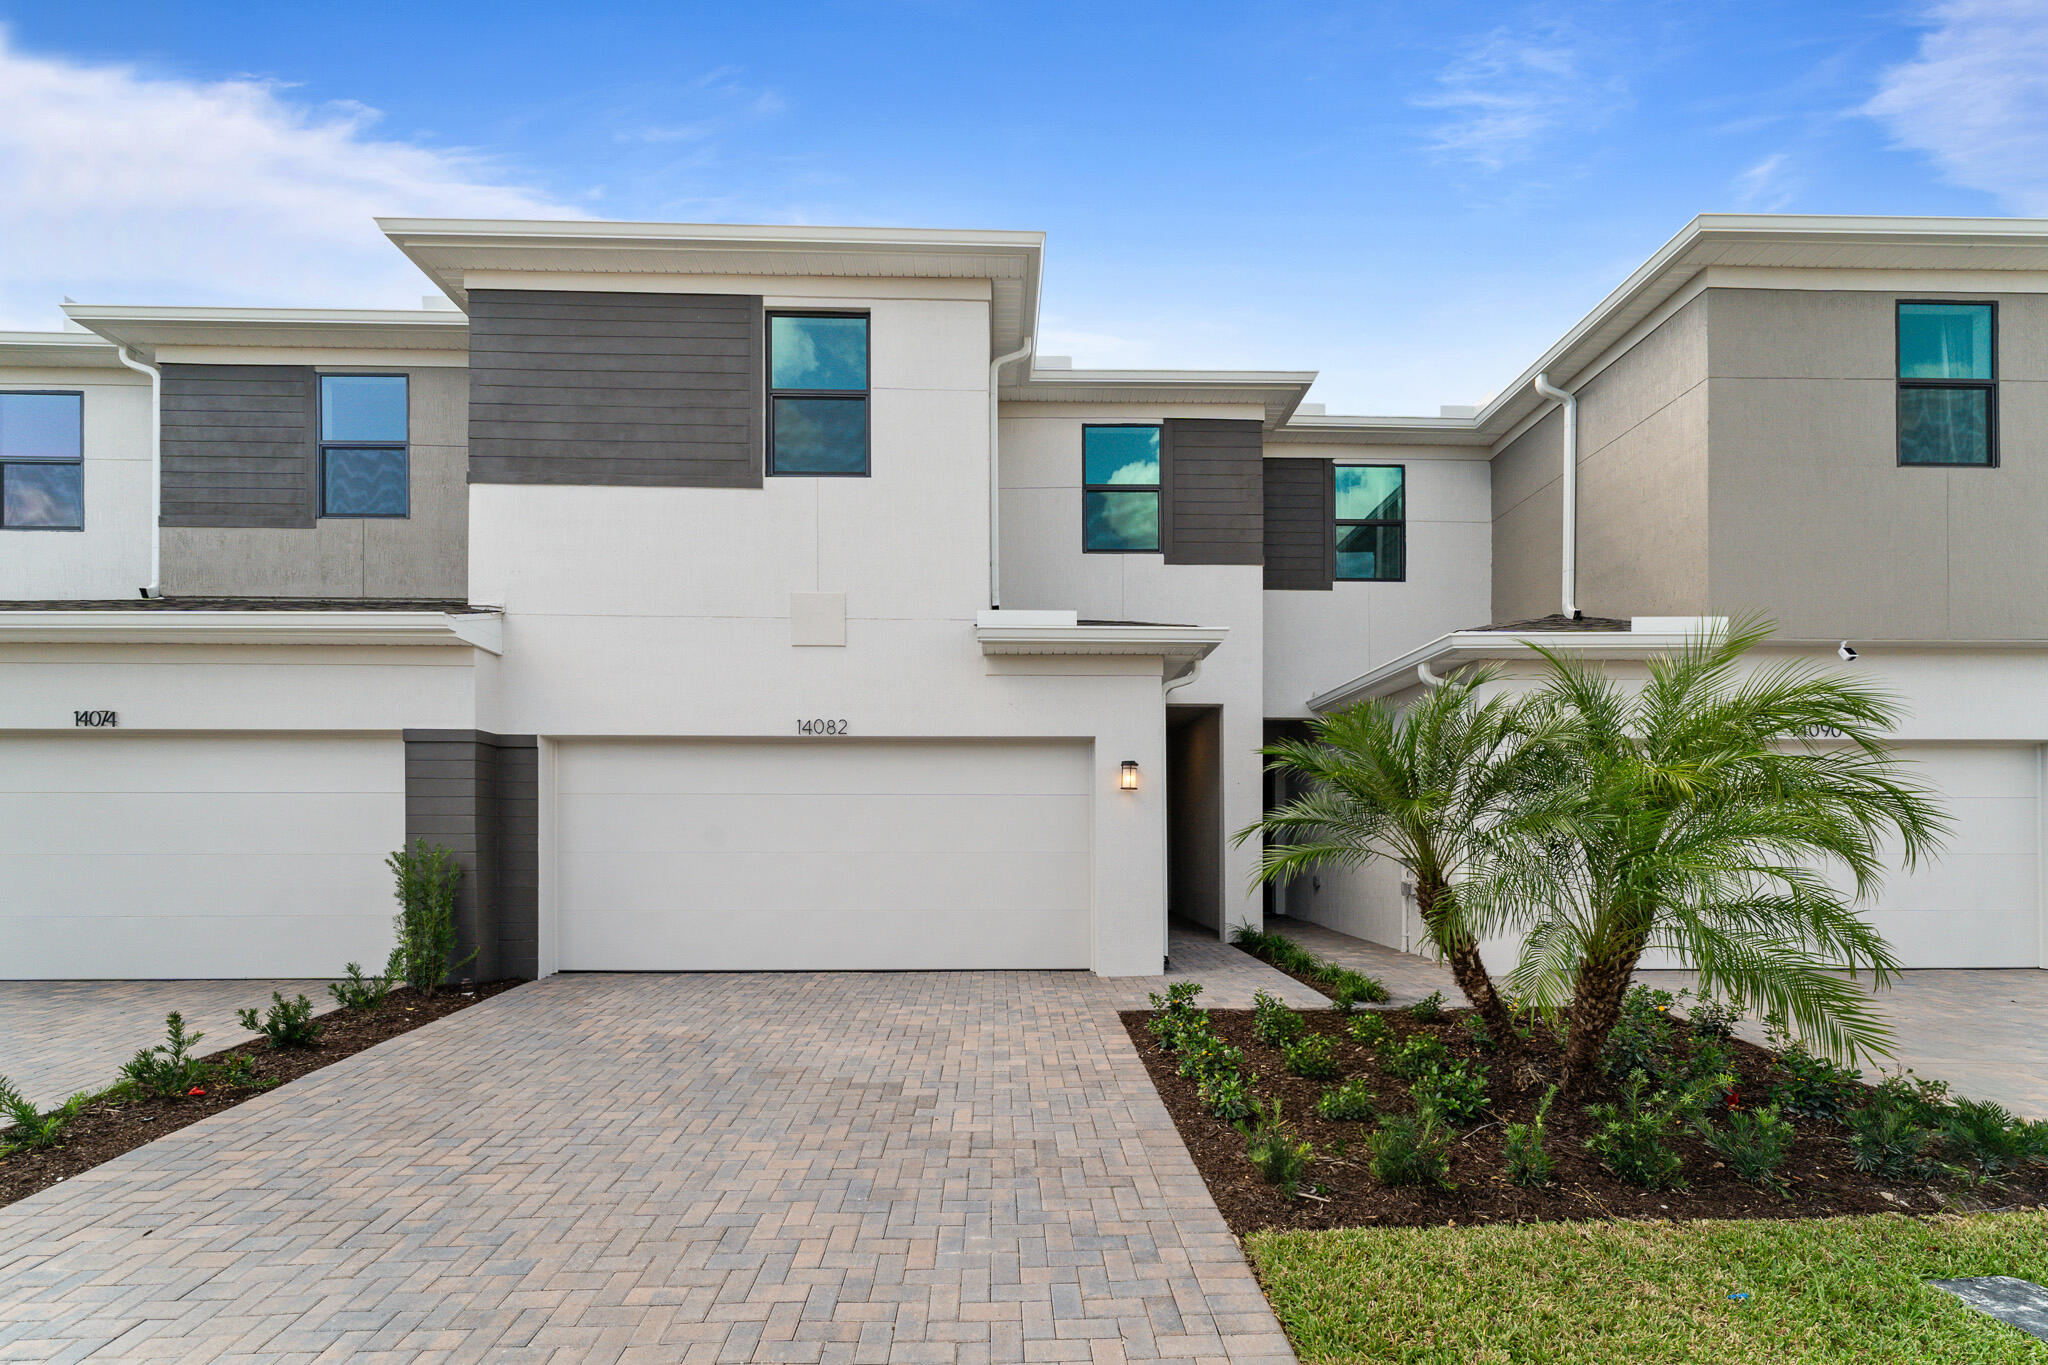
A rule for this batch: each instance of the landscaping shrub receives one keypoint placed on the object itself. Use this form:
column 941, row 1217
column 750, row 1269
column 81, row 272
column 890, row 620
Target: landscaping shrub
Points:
column 1175, row 1015
column 29, row 1127
column 1273, row 1023
column 1477, row 1034
column 1886, row 1140
column 1412, row 1149
column 1713, row 1019
column 169, row 1069
column 1987, row 1138
column 1408, row 1060
column 1806, row 1086
column 1190, row 1032
column 1529, row 1161
column 1644, row 1038
column 1274, row 1151
column 1348, row 989
column 1456, row 1090
column 358, row 992
column 1370, row 1030
column 1230, row 1096
column 1351, row 1102
column 1212, row 1056
column 1429, row 1009
column 287, row 1023
column 428, row 877
column 1633, row 1137
column 1754, row 1143
column 1313, row 1057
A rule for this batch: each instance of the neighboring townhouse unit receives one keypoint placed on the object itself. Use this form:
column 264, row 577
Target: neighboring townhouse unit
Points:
column 755, row 597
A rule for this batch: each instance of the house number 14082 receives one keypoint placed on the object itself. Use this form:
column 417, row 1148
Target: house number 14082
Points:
column 821, row 727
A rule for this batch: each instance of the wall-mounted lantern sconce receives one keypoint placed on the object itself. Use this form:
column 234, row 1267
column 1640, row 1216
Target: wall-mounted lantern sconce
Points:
column 1129, row 780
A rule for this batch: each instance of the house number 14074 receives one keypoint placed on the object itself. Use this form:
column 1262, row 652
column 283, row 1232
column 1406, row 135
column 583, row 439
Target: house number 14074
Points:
column 821, row 727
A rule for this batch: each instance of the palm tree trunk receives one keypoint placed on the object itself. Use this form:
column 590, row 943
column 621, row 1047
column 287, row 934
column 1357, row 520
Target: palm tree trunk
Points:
column 1461, row 953
column 1597, row 992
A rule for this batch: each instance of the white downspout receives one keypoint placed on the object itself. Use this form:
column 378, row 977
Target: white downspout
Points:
column 995, row 480
column 156, row 467
column 1570, row 491
column 1427, row 678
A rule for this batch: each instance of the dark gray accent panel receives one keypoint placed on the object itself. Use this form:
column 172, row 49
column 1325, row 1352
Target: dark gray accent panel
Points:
column 1212, row 494
column 643, row 390
column 479, row 794
column 238, row 445
column 1301, row 528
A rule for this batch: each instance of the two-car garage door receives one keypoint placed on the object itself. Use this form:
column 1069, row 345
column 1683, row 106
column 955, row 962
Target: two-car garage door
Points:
column 819, row 854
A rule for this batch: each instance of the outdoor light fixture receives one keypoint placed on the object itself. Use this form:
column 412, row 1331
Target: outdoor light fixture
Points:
column 1129, row 780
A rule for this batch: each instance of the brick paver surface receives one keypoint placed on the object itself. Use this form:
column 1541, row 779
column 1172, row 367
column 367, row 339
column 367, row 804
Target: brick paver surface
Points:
column 936, row 1166
column 60, row 1037
column 1407, row 977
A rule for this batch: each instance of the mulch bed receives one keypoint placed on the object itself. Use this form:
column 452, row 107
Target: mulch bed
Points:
column 1820, row 1176
column 108, row 1127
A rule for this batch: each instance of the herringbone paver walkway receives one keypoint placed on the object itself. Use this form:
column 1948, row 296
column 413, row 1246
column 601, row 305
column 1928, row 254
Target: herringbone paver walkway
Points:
column 61, row 1037
column 935, row 1166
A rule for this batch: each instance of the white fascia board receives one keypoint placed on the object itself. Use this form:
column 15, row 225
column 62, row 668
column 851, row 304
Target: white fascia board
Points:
column 1278, row 391
column 1474, row 646
column 57, row 351
column 1166, row 642
column 147, row 328
column 479, row 630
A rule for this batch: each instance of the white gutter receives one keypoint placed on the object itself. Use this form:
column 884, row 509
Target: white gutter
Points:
column 995, row 480
column 1570, row 492
column 1183, row 680
column 156, row 467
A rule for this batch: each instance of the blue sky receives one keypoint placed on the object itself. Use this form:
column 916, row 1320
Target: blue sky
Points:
column 1412, row 199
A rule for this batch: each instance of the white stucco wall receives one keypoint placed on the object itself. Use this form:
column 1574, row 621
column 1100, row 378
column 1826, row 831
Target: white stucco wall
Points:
column 110, row 557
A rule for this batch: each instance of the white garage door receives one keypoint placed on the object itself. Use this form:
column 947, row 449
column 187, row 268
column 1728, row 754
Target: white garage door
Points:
column 750, row 855
column 1976, row 906
column 125, row 855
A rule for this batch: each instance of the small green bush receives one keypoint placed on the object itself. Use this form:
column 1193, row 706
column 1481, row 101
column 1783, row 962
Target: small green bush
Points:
column 1275, row 1152
column 1986, row 1138
column 1370, row 1030
column 1312, row 1057
column 1644, row 1038
column 1429, row 1009
column 287, row 1023
column 29, row 1128
column 1273, row 1023
column 1176, row 1019
column 358, row 992
column 1455, row 1090
column 1477, row 1034
column 1806, row 1086
column 428, row 878
column 1886, row 1141
column 1633, row 1137
column 1230, row 1096
column 169, row 1069
column 1529, row 1162
column 1351, row 1102
column 1713, row 1019
column 1754, row 1143
column 1412, row 1149
column 1211, row 1057
column 1408, row 1060
column 1348, row 989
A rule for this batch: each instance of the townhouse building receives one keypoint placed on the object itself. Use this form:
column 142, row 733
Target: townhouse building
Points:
column 757, row 597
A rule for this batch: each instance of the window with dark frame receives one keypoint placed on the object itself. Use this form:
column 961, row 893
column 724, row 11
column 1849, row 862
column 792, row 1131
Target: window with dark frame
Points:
column 1372, row 523
column 42, row 461
column 365, row 458
column 818, row 394
column 1119, row 489
column 1948, row 383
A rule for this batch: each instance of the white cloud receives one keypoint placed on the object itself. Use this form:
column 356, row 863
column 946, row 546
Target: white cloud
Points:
column 1511, row 91
column 123, row 187
column 1768, row 186
column 1975, row 98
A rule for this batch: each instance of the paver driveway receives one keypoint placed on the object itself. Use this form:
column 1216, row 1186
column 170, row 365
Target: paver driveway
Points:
column 847, row 1166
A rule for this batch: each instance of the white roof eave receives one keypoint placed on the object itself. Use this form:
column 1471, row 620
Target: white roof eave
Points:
column 479, row 630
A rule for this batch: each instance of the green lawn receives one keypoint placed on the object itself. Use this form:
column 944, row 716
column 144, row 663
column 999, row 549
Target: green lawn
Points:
column 1826, row 1290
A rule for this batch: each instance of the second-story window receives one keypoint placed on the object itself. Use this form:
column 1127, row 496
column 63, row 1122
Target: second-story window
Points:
column 1948, row 383
column 1119, row 489
column 818, row 393
column 1372, row 523
column 42, row 474
column 364, row 465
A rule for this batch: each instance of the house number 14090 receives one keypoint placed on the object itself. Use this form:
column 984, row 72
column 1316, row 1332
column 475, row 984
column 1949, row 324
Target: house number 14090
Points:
column 821, row 727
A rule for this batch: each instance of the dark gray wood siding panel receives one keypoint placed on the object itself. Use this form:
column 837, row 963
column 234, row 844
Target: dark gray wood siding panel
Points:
column 479, row 794
column 640, row 390
column 1212, row 504
column 238, row 445
column 1301, row 548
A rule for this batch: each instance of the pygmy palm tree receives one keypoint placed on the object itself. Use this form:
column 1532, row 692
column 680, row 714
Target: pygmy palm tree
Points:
column 1704, row 810
column 1427, row 787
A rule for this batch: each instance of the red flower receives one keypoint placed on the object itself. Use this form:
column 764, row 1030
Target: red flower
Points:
column 196, row 1090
